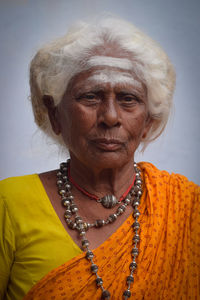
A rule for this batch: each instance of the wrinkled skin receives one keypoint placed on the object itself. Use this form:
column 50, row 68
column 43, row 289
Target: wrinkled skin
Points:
column 102, row 125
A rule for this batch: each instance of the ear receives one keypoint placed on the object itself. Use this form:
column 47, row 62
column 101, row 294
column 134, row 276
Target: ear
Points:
column 52, row 113
column 149, row 122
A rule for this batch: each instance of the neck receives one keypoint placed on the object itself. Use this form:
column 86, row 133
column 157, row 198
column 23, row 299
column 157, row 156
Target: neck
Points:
column 102, row 181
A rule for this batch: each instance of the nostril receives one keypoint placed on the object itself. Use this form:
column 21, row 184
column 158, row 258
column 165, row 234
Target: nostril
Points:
column 105, row 125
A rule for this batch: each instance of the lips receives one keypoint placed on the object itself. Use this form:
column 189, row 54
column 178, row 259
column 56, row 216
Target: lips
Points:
column 108, row 144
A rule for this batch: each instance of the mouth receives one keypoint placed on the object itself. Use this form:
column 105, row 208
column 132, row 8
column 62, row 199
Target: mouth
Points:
column 108, row 145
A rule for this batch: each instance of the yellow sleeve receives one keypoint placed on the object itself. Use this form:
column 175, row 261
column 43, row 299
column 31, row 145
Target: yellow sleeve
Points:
column 7, row 243
column 33, row 240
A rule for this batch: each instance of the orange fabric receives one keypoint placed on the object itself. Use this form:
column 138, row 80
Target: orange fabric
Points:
column 169, row 257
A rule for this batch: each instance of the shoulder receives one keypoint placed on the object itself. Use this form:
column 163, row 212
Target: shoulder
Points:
column 14, row 189
column 21, row 200
column 172, row 192
column 18, row 182
column 170, row 187
column 17, row 179
column 15, row 195
column 156, row 176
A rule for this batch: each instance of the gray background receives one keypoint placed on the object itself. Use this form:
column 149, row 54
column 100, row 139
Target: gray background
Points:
column 26, row 25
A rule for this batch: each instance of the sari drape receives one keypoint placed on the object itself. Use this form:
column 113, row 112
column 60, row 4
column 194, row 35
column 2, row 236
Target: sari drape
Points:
column 169, row 250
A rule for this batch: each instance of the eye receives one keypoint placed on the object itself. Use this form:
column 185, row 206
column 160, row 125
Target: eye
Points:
column 128, row 99
column 88, row 98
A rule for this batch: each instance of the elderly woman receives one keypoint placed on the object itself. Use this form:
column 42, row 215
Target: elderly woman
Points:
column 102, row 226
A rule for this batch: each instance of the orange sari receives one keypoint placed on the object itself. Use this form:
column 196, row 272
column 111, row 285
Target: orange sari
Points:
column 169, row 250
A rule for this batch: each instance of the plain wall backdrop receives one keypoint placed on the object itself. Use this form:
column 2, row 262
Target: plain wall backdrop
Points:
column 27, row 25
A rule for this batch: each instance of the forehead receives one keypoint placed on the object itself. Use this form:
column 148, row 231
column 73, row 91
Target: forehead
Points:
column 106, row 69
column 113, row 77
column 109, row 61
column 100, row 76
column 99, row 71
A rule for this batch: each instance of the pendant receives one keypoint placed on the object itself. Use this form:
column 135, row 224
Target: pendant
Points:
column 108, row 201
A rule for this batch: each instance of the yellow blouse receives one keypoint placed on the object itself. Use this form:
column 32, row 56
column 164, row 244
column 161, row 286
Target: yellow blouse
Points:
column 33, row 240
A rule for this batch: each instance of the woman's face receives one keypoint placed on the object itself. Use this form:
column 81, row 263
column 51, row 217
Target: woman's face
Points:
column 103, row 116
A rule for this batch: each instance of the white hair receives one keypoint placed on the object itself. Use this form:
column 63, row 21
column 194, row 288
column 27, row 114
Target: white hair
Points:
column 56, row 63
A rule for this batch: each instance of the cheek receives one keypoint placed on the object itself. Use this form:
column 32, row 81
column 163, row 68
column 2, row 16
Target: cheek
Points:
column 136, row 124
column 77, row 122
column 84, row 118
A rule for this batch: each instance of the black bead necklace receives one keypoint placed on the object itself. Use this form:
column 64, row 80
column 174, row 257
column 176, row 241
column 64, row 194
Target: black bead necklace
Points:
column 64, row 189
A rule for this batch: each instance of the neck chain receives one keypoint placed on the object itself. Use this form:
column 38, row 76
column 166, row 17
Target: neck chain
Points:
column 74, row 221
column 108, row 201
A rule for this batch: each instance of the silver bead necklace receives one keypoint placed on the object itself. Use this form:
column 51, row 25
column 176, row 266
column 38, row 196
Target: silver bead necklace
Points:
column 75, row 222
column 108, row 201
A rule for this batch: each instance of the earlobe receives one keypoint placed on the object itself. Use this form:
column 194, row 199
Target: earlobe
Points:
column 52, row 113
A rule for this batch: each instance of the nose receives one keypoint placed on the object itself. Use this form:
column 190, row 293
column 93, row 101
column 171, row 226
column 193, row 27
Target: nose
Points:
column 109, row 114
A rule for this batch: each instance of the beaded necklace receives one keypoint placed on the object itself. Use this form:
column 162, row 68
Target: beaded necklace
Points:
column 108, row 201
column 75, row 222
